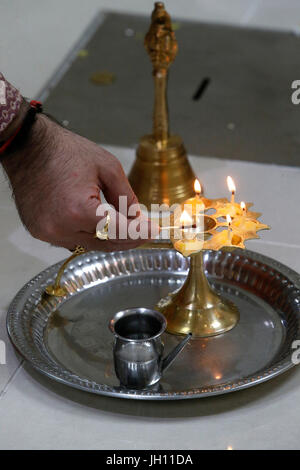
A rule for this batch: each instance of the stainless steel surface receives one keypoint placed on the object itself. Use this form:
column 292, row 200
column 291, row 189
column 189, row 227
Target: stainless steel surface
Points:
column 138, row 347
column 68, row 339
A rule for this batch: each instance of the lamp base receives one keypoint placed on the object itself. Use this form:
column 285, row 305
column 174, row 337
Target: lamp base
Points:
column 196, row 308
column 161, row 173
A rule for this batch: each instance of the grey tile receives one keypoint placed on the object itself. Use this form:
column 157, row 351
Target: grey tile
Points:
column 245, row 112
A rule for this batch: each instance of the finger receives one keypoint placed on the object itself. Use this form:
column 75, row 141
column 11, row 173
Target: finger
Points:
column 85, row 214
column 114, row 184
column 78, row 215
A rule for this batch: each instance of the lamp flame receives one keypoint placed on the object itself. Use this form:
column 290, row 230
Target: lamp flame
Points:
column 231, row 185
column 243, row 206
column 185, row 219
column 197, row 187
column 229, row 219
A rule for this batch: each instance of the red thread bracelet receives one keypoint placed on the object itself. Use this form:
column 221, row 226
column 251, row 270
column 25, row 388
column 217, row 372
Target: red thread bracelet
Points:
column 34, row 105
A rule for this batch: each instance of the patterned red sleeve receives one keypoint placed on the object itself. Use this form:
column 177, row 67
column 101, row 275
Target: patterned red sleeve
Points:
column 10, row 103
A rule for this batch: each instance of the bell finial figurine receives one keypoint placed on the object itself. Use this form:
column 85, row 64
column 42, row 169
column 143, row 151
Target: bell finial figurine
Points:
column 161, row 173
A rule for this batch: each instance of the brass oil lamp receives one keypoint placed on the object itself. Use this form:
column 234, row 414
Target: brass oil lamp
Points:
column 196, row 307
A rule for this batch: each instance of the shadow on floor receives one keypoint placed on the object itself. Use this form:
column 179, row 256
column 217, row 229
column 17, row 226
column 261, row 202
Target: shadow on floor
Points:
column 168, row 409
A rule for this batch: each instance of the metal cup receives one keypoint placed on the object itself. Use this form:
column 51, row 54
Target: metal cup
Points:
column 138, row 347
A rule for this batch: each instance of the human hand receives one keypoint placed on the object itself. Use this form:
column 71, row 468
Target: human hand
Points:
column 57, row 178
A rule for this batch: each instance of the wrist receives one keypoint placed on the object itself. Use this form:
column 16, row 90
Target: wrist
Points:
column 31, row 154
column 20, row 129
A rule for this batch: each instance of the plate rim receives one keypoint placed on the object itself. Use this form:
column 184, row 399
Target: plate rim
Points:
column 66, row 377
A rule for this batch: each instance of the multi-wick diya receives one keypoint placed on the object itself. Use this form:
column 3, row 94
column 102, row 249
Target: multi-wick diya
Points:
column 210, row 224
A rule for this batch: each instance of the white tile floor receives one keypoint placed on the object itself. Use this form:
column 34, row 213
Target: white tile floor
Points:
column 263, row 417
column 51, row 417
column 35, row 37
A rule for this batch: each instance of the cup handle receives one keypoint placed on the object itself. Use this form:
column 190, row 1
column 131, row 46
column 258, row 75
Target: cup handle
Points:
column 167, row 361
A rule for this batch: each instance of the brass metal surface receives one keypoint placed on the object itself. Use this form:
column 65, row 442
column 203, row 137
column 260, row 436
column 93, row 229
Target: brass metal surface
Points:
column 103, row 233
column 196, row 308
column 161, row 173
column 57, row 289
column 244, row 226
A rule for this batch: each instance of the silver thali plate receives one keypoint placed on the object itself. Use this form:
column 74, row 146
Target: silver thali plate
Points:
column 68, row 338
